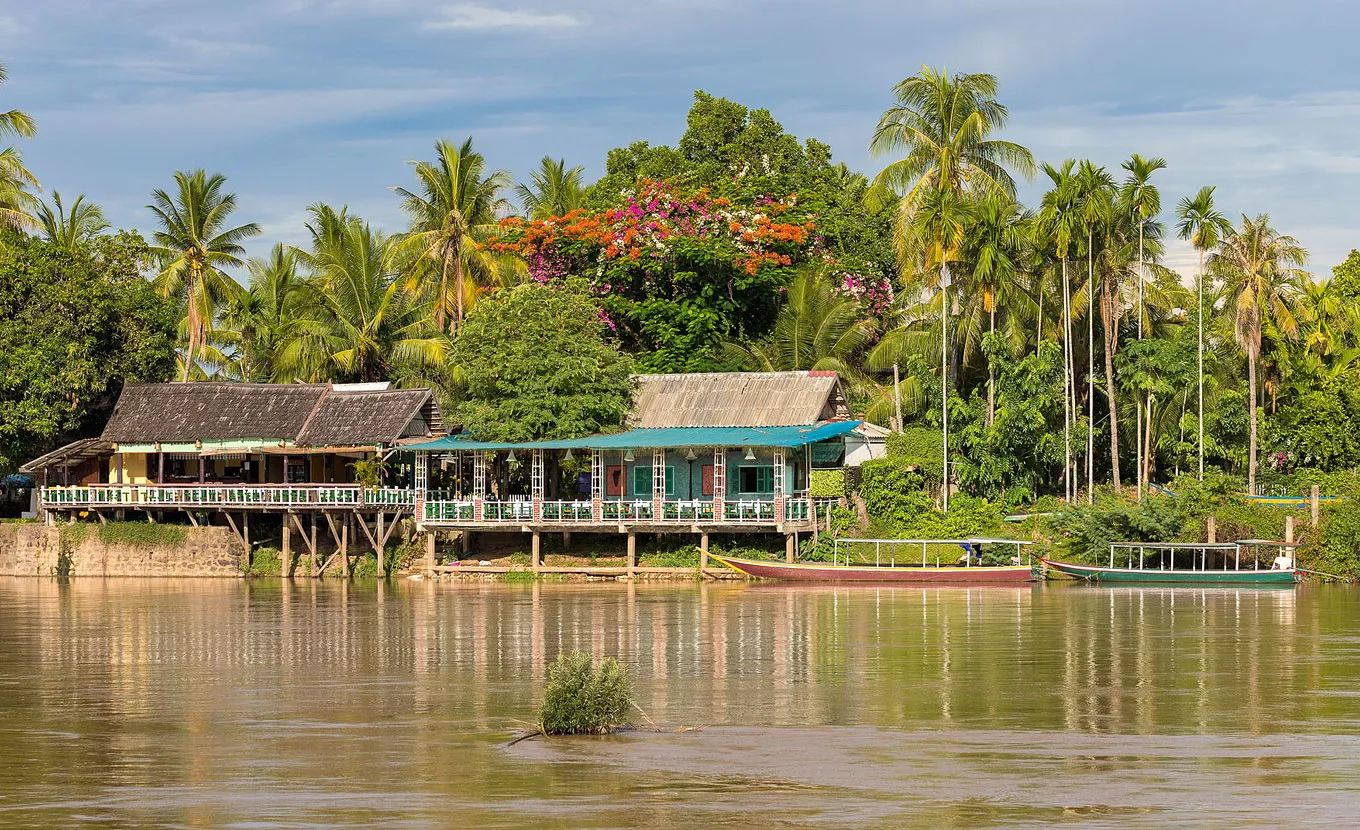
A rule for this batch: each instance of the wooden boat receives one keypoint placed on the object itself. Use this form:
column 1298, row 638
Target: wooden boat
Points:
column 1208, row 564
column 841, row 569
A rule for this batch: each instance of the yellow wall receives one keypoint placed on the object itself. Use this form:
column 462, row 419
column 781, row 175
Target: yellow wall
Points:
column 134, row 469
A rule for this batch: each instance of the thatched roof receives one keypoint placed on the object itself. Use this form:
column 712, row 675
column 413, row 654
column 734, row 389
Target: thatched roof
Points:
column 365, row 417
column 737, row 399
column 303, row 413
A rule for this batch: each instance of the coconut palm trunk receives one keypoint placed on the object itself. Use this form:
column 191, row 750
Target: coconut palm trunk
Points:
column 1090, row 373
column 991, row 370
column 1111, row 325
column 1251, row 398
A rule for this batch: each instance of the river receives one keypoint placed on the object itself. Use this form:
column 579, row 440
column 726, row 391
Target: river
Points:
column 221, row 703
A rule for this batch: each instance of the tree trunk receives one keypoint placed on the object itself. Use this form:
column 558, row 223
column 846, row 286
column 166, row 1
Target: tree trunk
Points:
column 458, row 287
column 1107, row 313
column 1090, row 372
column 1148, row 449
column 991, row 370
column 1251, row 446
column 1068, row 483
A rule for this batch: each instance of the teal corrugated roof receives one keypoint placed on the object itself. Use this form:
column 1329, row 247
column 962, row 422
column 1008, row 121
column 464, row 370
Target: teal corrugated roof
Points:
column 665, row 438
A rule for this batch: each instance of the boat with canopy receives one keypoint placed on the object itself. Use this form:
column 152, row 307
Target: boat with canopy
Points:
column 1197, row 563
column 976, row 560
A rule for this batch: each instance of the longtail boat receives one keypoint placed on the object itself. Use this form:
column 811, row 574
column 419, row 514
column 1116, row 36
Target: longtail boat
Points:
column 961, row 563
column 1198, row 564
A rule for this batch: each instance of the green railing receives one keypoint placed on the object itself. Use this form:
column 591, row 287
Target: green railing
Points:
column 226, row 496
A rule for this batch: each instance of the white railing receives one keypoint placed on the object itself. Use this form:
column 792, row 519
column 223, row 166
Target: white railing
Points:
column 446, row 510
column 226, row 496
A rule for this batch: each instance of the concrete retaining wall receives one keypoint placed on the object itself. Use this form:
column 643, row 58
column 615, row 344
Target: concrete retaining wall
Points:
column 37, row 550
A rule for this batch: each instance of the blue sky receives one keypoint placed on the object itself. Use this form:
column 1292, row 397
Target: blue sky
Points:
column 300, row 101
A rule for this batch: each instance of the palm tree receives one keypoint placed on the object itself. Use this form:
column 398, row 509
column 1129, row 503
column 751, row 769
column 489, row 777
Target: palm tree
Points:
column 1060, row 215
column 263, row 314
column 1144, row 202
column 817, row 329
column 1095, row 190
column 71, row 231
column 942, row 127
column 555, row 190
column 1200, row 222
column 354, row 322
column 1261, row 270
column 16, row 201
column 193, row 245
column 994, row 250
column 451, row 217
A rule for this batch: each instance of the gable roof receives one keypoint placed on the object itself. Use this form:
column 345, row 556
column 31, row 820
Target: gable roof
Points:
column 737, row 399
column 364, row 417
column 316, row 414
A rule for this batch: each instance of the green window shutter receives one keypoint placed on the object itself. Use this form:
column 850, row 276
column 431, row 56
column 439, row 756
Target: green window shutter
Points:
column 765, row 479
column 733, row 479
column 670, row 482
column 642, row 481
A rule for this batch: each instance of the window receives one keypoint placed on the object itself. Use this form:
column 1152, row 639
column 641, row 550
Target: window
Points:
column 756, row 480
column 642, row 482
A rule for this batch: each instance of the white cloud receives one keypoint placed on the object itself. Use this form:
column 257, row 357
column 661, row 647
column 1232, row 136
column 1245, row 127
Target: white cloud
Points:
column 468, row 16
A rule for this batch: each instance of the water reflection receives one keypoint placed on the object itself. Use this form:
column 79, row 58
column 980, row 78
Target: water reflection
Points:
column 215, row 685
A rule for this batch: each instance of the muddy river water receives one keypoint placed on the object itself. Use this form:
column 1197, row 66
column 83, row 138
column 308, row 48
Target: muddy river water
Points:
column 218, row 703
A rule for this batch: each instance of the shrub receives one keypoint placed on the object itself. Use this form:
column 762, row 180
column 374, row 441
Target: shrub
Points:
column 266, row 562
column 584, row 699
column 1333, row 549
column 894, row 493
column 918, row 447
column 826, row 484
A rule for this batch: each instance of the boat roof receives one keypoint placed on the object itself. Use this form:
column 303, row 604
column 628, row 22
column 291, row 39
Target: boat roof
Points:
column 1176, row 545
column 976, row 540
column 1269, row 542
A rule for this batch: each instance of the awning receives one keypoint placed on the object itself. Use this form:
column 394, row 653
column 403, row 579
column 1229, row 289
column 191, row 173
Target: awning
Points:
column 666, row 438
column 73, row 453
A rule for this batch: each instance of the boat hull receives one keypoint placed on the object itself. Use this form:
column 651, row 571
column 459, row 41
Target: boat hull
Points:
column 1096, row 573
column 815, row 572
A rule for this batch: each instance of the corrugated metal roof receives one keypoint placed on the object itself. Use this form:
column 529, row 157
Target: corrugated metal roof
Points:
column 736, row 399
column 665, row 438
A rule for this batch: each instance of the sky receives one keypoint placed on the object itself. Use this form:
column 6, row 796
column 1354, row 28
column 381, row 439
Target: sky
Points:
column 299, row 101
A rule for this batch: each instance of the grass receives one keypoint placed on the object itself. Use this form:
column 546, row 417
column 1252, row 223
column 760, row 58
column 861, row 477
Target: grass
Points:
column 582, row 698
column 141, row 534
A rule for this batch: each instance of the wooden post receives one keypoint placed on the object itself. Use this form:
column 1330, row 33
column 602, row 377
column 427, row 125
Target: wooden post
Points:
column 160, row 468
column 1212, row 532
column 703, row 552
column 790, row 545
column 566, row 540
column 632, row 553
column 245, row 538
column 536, row 551
column 429, row 553
column 312, row 547
column 344, row 548
column 200, row 468
column 1314, row 505
column 382, row 545
column 1289, row 529
column 287, row 544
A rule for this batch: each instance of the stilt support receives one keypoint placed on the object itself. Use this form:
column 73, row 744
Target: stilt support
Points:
column 536, row 551
column 703, row 553
column 632, row 553
column 790, row 546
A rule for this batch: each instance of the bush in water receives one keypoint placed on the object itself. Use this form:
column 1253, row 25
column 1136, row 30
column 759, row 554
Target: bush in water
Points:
column 584, row 699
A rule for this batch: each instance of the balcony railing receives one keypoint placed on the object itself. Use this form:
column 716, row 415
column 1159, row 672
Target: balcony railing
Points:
column 450, row 510
column 227, row 496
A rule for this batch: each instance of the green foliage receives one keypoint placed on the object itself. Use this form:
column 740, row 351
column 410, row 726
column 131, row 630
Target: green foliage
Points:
column 844, row 522
column 584, row 699
column 919, row 447
column 1013, row 457
column 1317, row 430
column 1346, row 276
column 894, row 492
column 267, row 561
column 535, row 364
column 369, row 471
column 74, row 327
column 1335, row 547
column 826, row 484
column 142, row 534
column 686, row 556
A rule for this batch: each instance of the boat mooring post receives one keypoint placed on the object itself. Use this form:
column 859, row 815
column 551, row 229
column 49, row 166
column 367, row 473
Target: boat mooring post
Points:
column 790, row 545
column 703, row 553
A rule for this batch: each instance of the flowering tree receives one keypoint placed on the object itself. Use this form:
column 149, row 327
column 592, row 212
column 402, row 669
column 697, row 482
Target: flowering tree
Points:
column 675, row 271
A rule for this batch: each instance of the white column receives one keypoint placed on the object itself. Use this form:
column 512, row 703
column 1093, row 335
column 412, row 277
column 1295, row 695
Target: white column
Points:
column 779, row 485
column 479, row 485
column 536, row 484
column 597, row 485
column 658, row 484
